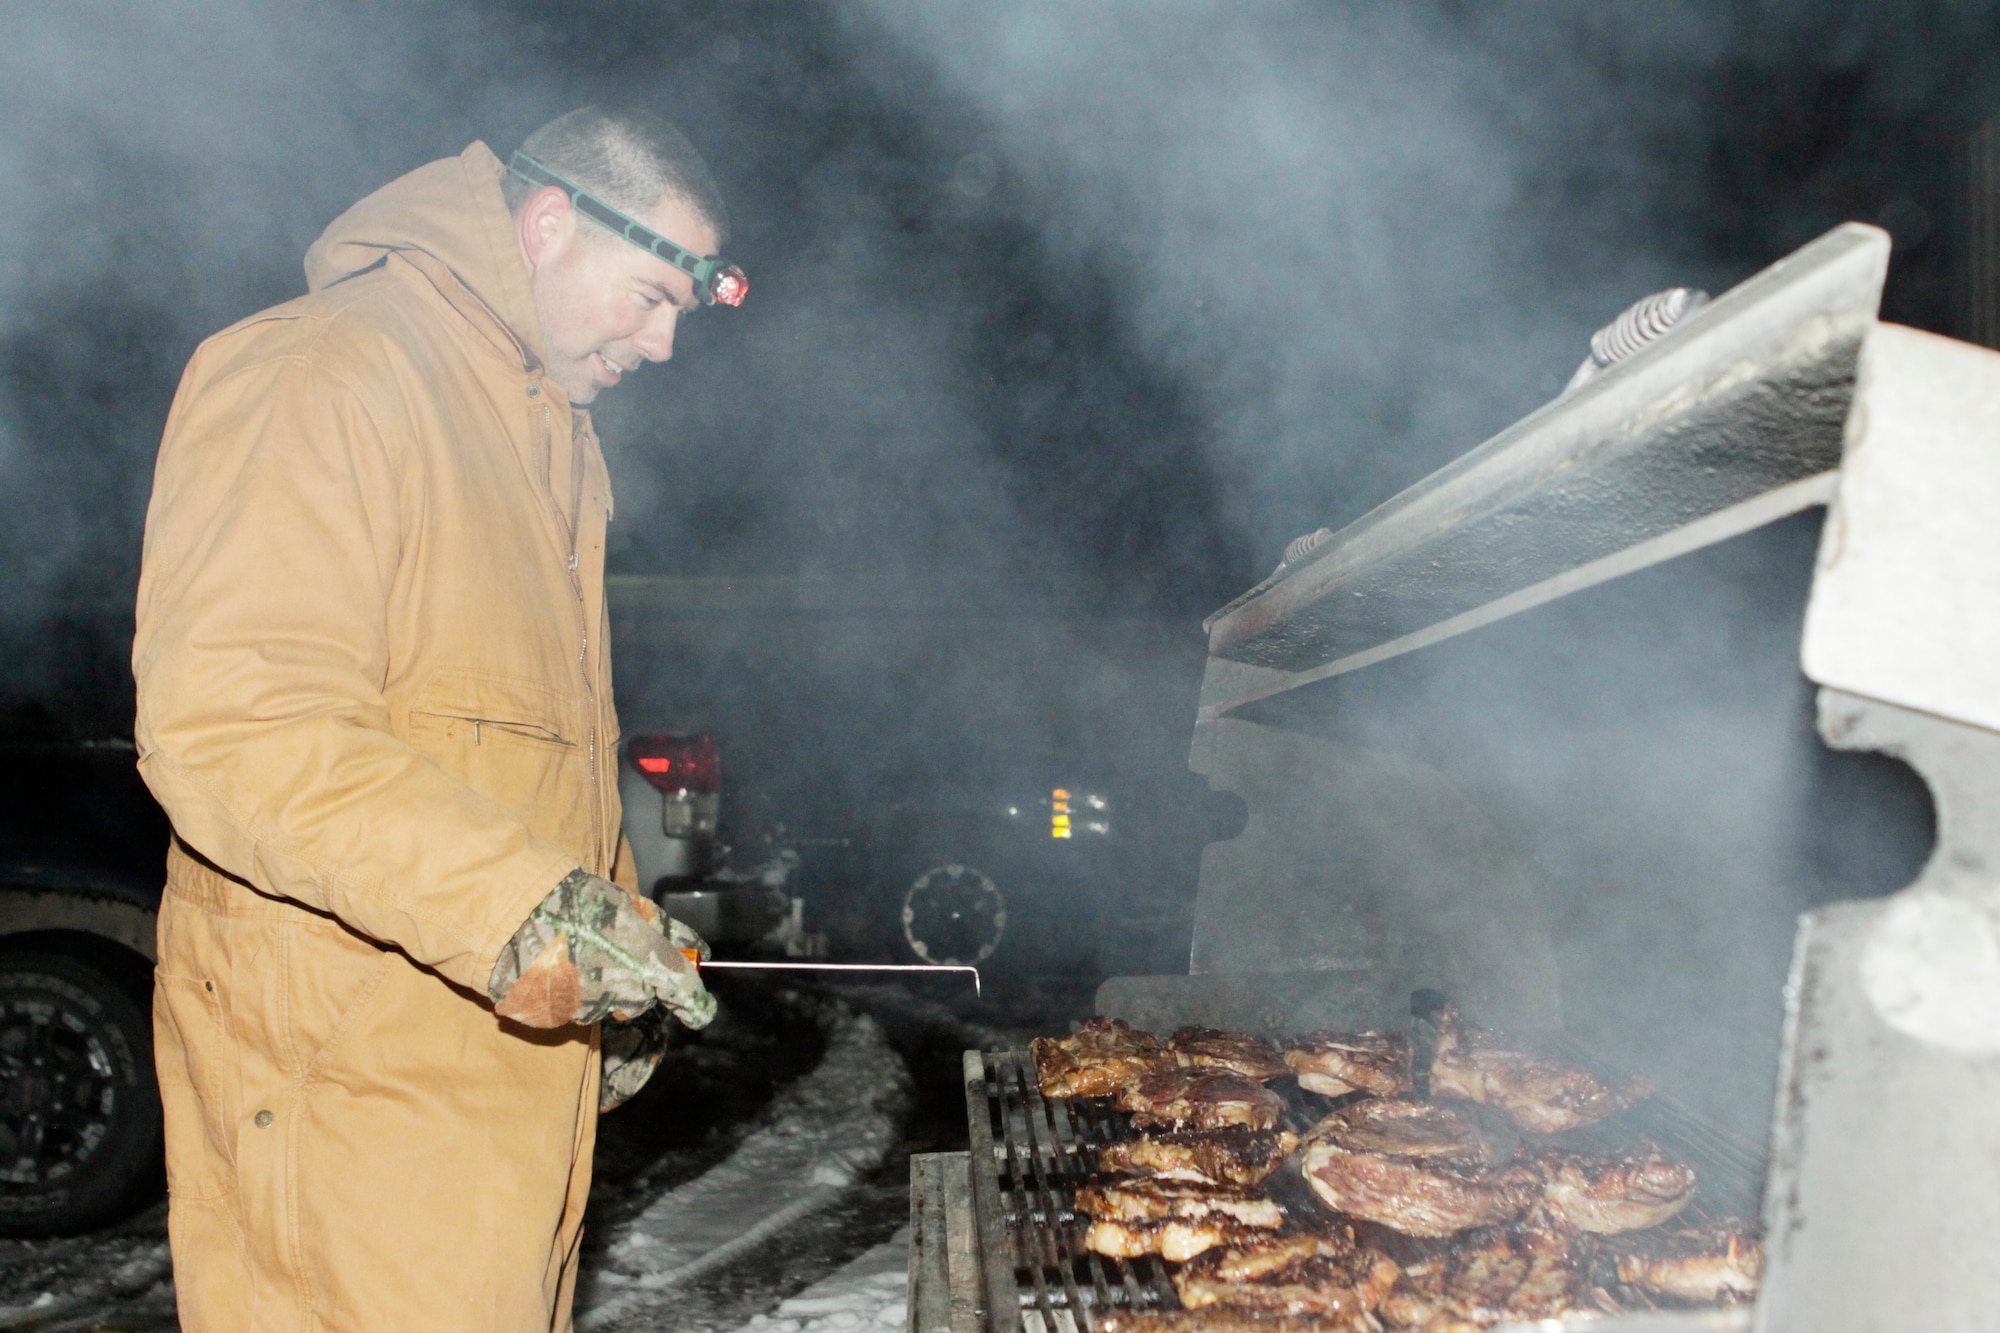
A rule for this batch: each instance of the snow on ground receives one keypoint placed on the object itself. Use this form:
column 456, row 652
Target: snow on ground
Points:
column 817, row 1139
column 76, row 1282
column 869, row 1295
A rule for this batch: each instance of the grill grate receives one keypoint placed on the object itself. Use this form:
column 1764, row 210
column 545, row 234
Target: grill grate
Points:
column 1029, row 1154
column 1040, row 1149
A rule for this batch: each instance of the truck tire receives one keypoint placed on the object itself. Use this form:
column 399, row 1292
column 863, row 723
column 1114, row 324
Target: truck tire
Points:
column 79, row 1108
column 953, row 913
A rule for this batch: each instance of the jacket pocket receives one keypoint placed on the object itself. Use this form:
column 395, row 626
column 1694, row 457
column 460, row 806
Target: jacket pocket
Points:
column 477, row 705
column 483, row 726
column 191, row 1054
column 512, row 740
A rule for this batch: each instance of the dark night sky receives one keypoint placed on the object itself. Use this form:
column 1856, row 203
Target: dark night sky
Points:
column 1110, row 302
column 960, row 242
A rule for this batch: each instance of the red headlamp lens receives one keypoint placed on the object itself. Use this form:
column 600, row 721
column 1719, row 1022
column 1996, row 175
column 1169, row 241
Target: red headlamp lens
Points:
column 728, row 285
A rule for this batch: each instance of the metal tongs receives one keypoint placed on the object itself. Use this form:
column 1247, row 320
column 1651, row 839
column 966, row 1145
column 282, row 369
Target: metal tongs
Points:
column 1427, row 1008
column 694, row 956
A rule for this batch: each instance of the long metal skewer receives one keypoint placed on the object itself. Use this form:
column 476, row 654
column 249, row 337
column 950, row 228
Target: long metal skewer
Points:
column 857, row 967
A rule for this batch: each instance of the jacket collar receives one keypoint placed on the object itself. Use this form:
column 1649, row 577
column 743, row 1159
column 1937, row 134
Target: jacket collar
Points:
column 449, row 221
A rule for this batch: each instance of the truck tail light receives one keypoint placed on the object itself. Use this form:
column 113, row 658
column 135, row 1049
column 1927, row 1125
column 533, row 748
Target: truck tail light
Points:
column 677, row 764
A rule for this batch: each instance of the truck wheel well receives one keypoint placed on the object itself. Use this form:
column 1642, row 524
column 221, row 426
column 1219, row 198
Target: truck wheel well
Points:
column 131, row 970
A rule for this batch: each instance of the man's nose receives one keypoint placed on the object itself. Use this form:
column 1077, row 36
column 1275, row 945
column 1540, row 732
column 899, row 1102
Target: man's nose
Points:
column 656, row 341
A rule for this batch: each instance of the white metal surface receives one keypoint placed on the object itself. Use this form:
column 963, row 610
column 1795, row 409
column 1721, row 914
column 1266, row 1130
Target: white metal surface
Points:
column 1906, row 603
column 1728, row 422
column 1883, row 1206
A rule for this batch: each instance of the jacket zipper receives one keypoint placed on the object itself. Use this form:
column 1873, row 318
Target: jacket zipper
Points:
column 583, row 630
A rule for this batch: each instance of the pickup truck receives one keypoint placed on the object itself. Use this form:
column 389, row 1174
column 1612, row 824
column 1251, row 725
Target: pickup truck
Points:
column 82, row 856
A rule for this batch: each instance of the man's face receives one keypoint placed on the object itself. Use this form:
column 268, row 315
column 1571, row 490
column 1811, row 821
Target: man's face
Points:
column 606, row 306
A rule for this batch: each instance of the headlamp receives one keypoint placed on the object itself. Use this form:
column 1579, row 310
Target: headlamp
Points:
column 715, row 278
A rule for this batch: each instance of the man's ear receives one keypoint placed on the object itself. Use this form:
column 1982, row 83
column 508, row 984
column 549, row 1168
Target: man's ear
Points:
column 546, row 222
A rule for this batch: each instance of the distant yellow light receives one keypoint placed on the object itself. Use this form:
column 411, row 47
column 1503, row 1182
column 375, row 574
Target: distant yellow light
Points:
column 1058, row 833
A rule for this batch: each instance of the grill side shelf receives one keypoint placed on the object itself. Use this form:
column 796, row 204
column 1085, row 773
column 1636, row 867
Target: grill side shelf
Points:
column 944, row 1283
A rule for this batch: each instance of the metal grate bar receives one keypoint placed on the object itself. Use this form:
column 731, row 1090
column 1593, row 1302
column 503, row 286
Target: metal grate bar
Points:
column 1103, row 1271
column 1033, row 1243
column 1060, row 1227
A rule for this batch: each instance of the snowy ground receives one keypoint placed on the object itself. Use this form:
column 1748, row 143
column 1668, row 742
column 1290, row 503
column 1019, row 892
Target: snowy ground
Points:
column 821, row 1137
column 761, row 1184
column 869, row 1295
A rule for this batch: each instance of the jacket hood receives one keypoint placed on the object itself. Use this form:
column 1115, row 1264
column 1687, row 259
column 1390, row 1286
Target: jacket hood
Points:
column 450, row 221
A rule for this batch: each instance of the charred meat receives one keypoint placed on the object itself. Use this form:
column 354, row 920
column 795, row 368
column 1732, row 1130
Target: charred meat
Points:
column 1337, row 1063
column 1415, row 1195
column 1272, row 1252
column 1150, row 1200
column 1226, row 1052
column 1721, row 1263
column 1612, row 1194
column 1329, row 1280
column 1535, row 1091
column 1177, row 1238
column 1504, row 1275
column 1183, row 1098
column 1415, row 1167
column 1232, row 1156
column 1402, row 1127
column 1098, row 1061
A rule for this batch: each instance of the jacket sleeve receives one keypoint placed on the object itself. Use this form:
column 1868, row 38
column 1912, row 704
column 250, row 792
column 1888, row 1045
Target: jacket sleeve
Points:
column 273, row 538
column 625, row 869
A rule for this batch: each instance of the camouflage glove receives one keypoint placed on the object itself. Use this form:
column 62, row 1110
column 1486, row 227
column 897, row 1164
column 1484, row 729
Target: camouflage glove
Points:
column 632, row 1052
column 589, row 951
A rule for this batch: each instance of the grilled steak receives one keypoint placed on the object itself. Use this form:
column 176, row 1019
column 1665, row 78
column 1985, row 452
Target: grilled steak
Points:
column 1224, row 1319
column 1226, row 1052
column 1337, row 1063
column 1402, row 1128
column 1534, row 1091
column 1183, row 1097
column 1270, row 1252
column 1413, row 1166
column 1332, row 1281
column 1099, row 1061
column 1500, row 1276
column 1415, row 1195
column 1720, row 1263
column 1177, row 1238
column 1149, row 1200
column 1611, row 1194
column 1232, row 1156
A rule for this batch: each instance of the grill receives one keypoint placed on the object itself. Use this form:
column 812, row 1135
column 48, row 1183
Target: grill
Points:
column 1365, row 873
column 1029, row 1153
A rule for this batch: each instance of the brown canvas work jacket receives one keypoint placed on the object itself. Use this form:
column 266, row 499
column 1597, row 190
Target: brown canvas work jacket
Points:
column 375, row 701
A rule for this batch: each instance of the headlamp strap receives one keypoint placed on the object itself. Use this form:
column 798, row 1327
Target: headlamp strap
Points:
column 715, row 278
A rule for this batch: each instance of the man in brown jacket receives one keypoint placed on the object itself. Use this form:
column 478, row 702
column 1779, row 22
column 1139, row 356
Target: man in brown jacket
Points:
column 375, row 702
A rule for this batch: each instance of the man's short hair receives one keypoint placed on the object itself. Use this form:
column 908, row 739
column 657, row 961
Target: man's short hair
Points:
column 628, row 157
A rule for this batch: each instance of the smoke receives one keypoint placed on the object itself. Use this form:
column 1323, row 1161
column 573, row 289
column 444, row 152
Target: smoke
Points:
column 1065, row 320
column 1333, row 223
column 1364, row 238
